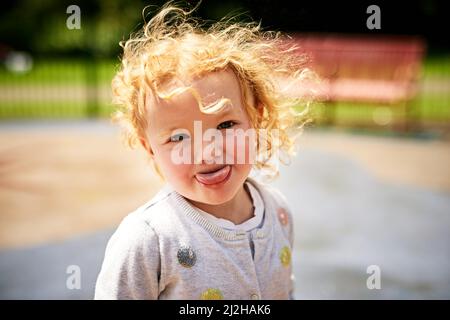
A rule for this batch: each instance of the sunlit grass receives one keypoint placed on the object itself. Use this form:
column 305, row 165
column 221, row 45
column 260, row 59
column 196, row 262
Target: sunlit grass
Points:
column 430, row 104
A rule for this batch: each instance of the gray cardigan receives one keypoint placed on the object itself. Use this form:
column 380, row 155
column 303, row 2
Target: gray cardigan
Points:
column 167, row 250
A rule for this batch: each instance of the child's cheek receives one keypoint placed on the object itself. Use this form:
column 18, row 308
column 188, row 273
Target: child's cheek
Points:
column 176, row 163
column 179, row 153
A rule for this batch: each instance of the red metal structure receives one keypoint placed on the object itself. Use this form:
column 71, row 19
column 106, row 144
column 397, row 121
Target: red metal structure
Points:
column 383, row 70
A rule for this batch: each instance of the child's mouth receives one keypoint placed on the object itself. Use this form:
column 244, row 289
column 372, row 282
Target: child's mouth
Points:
column 214, row 177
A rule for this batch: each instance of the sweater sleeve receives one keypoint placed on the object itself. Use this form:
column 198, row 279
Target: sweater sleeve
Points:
column 282, row 201
column 291, row 242
column 131, row 267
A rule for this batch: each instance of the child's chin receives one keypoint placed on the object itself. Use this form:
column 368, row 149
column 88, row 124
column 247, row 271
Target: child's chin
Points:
column 215, row 200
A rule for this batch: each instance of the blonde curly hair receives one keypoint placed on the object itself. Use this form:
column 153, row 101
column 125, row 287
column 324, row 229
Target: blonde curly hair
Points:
column 173, row 44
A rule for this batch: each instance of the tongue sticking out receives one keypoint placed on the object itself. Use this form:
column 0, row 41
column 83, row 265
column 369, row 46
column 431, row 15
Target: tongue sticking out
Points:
column 213, row 177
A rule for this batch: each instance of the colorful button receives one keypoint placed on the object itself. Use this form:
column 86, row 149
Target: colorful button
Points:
column 254, row 296
column 285, row 256
column 283, row 216
column 211, row 294
column 186, row 256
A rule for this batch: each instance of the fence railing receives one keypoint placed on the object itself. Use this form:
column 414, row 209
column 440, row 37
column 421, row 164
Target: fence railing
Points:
column 57, row 88
column 77, row 88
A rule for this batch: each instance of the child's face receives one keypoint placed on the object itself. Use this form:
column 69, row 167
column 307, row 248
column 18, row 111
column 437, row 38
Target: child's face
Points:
column 206, row 177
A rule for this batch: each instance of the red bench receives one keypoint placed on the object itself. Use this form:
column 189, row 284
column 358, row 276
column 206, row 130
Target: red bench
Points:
column 370, row 69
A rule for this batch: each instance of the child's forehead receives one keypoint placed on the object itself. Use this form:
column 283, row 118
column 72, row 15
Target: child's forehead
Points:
column 207, row 88
column 225, row 78
column 215, row 85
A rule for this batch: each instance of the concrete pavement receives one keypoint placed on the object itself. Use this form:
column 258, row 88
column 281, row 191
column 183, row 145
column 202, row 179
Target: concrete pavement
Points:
column 345, row 221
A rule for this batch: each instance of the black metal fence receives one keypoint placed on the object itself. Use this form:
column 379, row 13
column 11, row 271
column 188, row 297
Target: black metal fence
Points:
column 80, row 88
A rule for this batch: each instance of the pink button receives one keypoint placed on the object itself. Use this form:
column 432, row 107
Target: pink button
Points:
column 283, row 216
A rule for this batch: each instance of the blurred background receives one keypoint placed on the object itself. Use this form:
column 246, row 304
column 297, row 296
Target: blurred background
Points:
column 370, row 185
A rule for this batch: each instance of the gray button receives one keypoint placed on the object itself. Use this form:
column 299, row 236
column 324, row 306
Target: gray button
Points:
column 186, row 256
column 254, row 296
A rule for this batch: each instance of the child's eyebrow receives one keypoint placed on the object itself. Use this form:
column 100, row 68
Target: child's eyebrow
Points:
column 169, row 131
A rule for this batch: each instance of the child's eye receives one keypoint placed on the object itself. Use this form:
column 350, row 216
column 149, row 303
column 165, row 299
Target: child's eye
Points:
column 179, row 137
column 226, row 125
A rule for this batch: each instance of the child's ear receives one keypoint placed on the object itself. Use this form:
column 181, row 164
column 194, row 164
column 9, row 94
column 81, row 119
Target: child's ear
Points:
column 260, row 108
column 146, row 146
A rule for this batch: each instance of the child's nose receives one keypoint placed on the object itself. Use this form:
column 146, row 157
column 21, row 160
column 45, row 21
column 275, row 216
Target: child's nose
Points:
column 211, row 152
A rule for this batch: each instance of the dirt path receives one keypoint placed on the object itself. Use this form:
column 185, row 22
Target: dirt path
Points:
column 58, row 183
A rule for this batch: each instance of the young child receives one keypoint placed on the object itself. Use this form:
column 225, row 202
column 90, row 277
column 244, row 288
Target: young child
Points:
column 212, row 232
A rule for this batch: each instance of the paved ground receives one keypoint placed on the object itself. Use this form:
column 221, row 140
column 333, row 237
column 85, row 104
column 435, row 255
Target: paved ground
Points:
column 347, row 220
column 358, row 201
column 61, row 180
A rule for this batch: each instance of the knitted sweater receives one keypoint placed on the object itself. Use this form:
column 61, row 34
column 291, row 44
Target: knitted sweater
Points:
column 166, row 249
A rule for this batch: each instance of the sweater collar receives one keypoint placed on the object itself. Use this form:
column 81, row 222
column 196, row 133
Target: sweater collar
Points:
column 219, row 232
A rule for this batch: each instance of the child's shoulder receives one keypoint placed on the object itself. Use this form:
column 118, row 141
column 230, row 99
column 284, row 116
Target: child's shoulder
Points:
column 145, row 226
column 277, row 204
column 155, row 211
